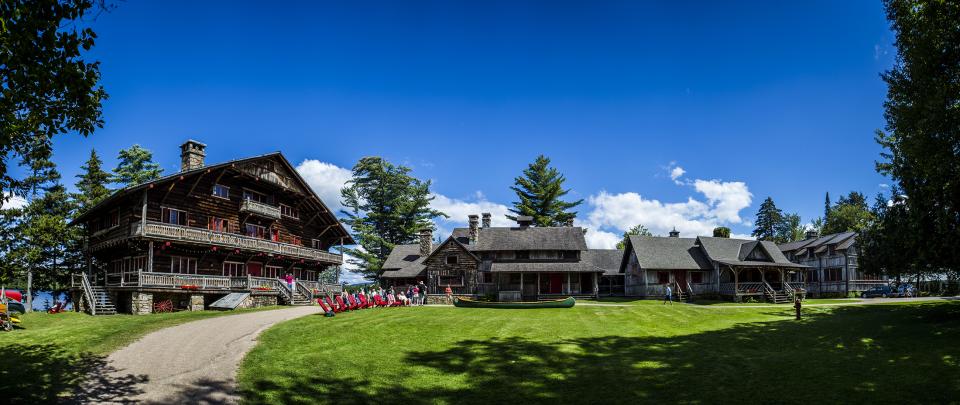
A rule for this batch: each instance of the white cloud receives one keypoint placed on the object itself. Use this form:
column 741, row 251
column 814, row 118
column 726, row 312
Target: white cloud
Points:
column 326, row 180
column 676, row 172
column 597, row 239
column 459, row 210
column 12, row 201
column 728, row 198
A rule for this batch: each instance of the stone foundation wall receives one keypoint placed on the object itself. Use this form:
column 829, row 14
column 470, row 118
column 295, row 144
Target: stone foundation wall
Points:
column 141, row 303
column 196, row 303
column 439, row 299
column 257, row 301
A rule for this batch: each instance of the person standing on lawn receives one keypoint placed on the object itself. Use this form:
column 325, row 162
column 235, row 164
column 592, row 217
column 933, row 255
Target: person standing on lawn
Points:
column 797, row 305
column 423, row 293
column 669, row 296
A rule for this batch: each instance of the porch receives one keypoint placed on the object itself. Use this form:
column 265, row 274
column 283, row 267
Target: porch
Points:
column 771, row 283
column 527, row 286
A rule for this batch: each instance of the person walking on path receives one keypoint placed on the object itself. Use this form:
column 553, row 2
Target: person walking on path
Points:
column 669, row 296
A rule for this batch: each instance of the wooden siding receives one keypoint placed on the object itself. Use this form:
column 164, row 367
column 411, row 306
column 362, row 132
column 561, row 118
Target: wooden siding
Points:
column 437, row 267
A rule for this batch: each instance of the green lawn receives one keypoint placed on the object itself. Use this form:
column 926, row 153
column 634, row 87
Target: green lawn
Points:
column 51, row 355
column 612, row 354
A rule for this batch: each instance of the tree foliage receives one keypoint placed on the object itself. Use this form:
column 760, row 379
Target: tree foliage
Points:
column 769, row 221
column 135, row 166
column 721, row 232
column 638, row 230
column 46, row 86
column 540, row 191
column 849, row 214
column 384, row 206
column 92, row 183
column 921, row 141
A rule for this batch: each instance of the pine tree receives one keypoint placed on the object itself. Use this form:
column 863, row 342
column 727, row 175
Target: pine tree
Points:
column 769, row 221
column 92, row 185
column 638, row 230
column 540, row 190
column 384, row 206
column 136, row 166
column 826, row 206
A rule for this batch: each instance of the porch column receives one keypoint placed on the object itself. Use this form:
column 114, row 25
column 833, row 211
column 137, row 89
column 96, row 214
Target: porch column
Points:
column 568, row 283
column 596, row 287
column 150, row 256
column 521, row 286
column 538, row 284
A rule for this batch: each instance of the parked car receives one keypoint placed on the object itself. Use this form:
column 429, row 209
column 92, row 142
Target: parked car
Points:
column 882, row 291
column 906, row 290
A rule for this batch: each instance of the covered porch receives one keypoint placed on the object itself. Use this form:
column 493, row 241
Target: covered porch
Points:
column 531, row 286
column 774, row 282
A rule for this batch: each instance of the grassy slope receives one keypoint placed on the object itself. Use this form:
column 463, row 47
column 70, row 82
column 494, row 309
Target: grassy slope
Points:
column 51, row 355
column 613, row 354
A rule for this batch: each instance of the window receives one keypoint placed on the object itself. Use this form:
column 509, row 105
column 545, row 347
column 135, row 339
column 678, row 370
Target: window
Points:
column 219, row 190
column 316, row 244
column 309, row 275
column 173, row 216
column 255, row 196
column 273, row 271
column 696, row 277
column 234, row 269
column 663, row 277
column 452, row 259
column 833, row 275
column 508, row 255
column 218, row 224
column 544, row 255
column 571, row 254
column 113, row 218
column 183, row 265
column 289, row 211
column 254, row 231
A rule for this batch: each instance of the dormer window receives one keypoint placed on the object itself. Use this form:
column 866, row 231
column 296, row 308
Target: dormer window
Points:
column 453, row 259
column 219, row 190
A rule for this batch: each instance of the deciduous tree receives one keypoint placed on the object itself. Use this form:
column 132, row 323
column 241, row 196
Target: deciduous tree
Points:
column 721, row 232
column 639, row 230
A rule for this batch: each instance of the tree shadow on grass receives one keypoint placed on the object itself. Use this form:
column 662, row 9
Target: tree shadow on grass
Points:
column 46, row 373
column 881, row 354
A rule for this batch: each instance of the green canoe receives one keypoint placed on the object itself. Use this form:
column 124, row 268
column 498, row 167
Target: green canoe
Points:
column 468, row 303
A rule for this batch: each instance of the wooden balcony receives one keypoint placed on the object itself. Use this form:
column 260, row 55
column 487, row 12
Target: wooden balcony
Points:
column 260, row 209
column 201, row 282
column 230, row 240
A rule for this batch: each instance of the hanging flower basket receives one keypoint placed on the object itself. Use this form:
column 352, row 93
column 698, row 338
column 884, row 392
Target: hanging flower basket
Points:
column 189, row 287
column 263, row 288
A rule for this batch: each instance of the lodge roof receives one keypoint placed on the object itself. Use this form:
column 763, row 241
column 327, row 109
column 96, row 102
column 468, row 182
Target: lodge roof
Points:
column 404, row 261
column 523, row 238
column 311, row 195
column 607, row 260
column 838, row 241
column 657, row 252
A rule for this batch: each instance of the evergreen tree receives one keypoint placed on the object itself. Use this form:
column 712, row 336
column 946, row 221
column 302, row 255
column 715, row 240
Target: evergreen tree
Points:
column 921, row 137
column 384, row 206
column 721, row 232
column 850, row 214
column 539, row 191
column 136, row 166
column 769, row 221
column 792, row 229
column 92, row 185
column 826, row 206
column 48, row 88
column 638, row 230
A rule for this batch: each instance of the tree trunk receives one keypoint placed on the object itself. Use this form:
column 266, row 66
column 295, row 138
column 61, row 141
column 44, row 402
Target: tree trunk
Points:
column 29, row 290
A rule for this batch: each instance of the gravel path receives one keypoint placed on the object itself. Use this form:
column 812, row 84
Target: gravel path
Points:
column 195, row 362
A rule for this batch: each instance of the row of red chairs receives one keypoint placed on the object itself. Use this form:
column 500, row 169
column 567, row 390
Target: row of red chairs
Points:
column 351, row 304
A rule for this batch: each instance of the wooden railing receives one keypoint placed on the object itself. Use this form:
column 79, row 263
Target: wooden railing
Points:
column 303, row 290
column 187, row 281
column 261, row 209
column 230, row 240
column 835, row 261
column 751, row 288
column 316, row 286
column 285, row 291
column 87, row 293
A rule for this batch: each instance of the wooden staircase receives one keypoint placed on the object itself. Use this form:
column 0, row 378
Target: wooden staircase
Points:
column 300, row 299
column 774, row 296
column 683, row 295
column 101, row 305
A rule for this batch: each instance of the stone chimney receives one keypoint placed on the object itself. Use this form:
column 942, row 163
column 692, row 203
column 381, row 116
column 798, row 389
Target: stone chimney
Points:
column 524, row 221
column 812, row 234
column 570, row 222
column 474, row 228
column 191, row 155
column 426, row 241
column 485, row 219
column 674, row 233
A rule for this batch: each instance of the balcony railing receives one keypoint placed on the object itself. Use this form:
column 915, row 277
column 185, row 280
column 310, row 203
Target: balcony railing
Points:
column 260, row 209
column 230, row 240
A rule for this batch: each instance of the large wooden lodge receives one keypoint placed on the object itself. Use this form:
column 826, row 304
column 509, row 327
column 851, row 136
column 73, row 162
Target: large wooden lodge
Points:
column 191, row 238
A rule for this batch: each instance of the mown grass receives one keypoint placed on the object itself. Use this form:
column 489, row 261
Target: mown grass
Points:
column 51, row 355
column 611, row 354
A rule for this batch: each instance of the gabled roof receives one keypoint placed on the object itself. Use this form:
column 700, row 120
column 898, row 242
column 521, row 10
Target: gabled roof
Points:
column 454, row 241
column 311, row 195
column 821, row 244
column 404, row 261
column 667, row 253
column 524, row 238
column 607, row 260
column 728, row 251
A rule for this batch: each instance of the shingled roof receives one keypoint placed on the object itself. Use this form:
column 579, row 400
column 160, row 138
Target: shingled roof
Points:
column 657, row 252
column 839, row 241
column 545, row 267
column 607, row 260
column 404, row 261
column 524, row 238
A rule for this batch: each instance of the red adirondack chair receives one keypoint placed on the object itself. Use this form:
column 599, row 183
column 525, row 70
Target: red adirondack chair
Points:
column 341, row 304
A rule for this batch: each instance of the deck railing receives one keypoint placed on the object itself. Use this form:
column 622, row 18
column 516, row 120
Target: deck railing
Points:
column 230, row 240
column 316, row 286
column 261, row 209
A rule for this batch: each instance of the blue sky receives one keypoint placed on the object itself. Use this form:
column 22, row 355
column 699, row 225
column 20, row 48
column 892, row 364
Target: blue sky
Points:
column 749, row 100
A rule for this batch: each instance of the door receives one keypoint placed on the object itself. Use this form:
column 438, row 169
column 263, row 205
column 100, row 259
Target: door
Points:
column 253, row 269
column 556, row 283
column 680, row 276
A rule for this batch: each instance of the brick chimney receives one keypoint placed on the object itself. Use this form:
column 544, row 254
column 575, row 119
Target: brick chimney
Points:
column 674, row 233
column 191, row 155
column 426, row 241
column 485, row 219
column 524, row 221
column 474, row 228
column 570, row 222
column 812, row 234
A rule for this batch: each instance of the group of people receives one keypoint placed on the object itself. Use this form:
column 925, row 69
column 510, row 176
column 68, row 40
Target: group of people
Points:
column 414, row 295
